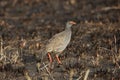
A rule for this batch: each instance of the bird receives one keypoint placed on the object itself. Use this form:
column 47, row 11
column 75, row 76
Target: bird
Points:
column 59, row 42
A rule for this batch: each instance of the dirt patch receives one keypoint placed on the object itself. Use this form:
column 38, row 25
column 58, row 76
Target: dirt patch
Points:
column 26, row 25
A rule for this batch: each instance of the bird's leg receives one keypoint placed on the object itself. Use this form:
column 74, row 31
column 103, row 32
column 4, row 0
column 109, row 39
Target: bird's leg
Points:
column 50, row 58
column 58, row 59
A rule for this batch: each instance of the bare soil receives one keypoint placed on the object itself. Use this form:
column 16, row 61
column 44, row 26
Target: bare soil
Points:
column 26, row 26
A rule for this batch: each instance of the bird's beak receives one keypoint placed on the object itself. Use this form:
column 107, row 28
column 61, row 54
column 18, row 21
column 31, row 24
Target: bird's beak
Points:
column 72, row 22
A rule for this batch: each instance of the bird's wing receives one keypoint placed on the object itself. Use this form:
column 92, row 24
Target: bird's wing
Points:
column 57, row 40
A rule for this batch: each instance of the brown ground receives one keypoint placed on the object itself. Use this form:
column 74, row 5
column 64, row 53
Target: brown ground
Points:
column 26, row 25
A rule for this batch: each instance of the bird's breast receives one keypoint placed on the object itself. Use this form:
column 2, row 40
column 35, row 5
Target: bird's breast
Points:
column 59, row 42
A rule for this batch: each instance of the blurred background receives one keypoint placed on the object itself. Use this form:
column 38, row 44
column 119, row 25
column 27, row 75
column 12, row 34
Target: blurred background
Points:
column 26, row 25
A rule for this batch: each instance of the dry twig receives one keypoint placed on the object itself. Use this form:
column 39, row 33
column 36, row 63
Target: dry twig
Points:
column 27, row 75
column 48, row 72
column 86, row 74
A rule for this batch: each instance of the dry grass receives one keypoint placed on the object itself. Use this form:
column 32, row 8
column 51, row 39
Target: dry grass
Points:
column 94, row 50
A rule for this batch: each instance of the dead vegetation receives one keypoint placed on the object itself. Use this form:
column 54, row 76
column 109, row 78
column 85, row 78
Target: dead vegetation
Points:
column 93, row 53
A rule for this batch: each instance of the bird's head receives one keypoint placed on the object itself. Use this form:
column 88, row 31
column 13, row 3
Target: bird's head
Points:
column 70, row 23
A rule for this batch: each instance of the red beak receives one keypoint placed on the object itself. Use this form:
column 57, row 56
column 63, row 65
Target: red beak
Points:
column 72, row 22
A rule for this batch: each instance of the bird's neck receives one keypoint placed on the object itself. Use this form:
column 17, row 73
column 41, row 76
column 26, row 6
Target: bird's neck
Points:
column 68, row 28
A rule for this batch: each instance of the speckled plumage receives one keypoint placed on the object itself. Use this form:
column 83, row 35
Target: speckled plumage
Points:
column 59, row 41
